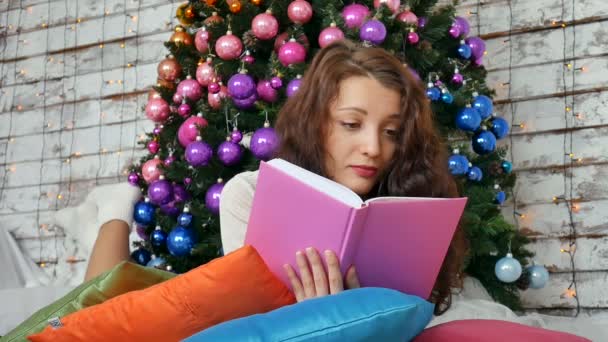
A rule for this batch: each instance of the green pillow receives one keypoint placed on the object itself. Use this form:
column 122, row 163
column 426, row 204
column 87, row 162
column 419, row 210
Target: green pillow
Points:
column 123, row 278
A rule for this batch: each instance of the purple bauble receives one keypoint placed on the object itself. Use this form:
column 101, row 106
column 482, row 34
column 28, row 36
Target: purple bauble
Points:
column 160, row 192
column 187, row 180
column 133, row 178
column 247, row 103
column 477, row 45
column 212, row 197
column 170, row 209
column 157, row 130
column 169, row 160
column 267, row 92
column 422, row 22
column 229, row 153
column 236, row 136
column 330, row 35
column 293, row 86
column 463, row 25
column 457, row 78
column 180, row 194
column 454, row 32
column 373, row 31
column 241, row 86
column 276, row 82
column 292, row 52
column 354, row 15
column 198, row 153
column 141, row 232
column 264, row 143
column 190, row 89
column 184, row 110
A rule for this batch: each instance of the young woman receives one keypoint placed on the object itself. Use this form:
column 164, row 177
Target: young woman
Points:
column 361, row 119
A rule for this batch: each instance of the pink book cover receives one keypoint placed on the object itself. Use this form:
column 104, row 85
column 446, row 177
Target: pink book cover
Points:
column 394, row 242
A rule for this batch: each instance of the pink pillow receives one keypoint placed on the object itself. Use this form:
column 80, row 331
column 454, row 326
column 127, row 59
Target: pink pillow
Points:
column 489, row 330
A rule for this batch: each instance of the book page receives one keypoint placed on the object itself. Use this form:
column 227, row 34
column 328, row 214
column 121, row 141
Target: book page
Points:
column 401, row 199
column 325, row 185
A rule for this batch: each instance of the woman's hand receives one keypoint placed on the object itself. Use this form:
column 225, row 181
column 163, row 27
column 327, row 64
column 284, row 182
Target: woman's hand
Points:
column 314, row 281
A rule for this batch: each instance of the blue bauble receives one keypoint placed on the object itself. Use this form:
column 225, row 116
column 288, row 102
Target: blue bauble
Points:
column 468, row 119
column 184, row 219
column 539, row 276
column 508, row 269
column 180, row 241
column 464, row 51
column 433, row 93
column 157, row 262
column 500, row 128
column 475, row 174
column 447, row 98
column 484, row 106
column 143, row 213
column 507, row 166
column 458, row 164
column 141, row 256
column 484, row 142
column 158, row 238
column 500, row 198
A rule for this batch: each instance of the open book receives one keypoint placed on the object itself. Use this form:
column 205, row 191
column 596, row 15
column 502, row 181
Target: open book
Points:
column 394, row 242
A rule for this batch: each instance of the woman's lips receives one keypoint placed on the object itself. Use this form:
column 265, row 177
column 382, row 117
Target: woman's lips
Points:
column 365, row 171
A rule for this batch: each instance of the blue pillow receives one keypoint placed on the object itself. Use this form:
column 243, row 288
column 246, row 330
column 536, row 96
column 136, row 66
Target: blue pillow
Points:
column 365, row 314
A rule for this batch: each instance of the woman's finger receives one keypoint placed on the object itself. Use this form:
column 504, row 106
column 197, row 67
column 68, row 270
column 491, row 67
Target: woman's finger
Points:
column 352, row 280
column 336, row 284
column 318, row 272
column 305, row 276
column 296, row 285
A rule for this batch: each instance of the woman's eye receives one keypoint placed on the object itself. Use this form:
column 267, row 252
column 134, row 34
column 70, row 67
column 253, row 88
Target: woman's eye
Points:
column 391, row 133
column 350, row 125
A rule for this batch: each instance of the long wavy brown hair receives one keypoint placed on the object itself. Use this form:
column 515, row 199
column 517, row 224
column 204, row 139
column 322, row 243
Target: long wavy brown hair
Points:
column 419, row 166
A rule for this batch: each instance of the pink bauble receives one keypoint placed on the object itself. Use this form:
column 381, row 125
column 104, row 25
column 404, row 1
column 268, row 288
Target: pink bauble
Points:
column 153, row 147
column 189, row 129
column 228, row 46
column 265, row 26
column 329, row 35
column 408, row 17
column 284, row 37
column 205, row 74
column 354, row 15
column 177, row 98
column 201, row 40
column 157, row 110
column 183, row 110
column 150, row 170
column 299, row 11
column 215, row 100
column 413, row 38
column 266, row 92
column 292, row 53
column 190, row 89
column 392, row 4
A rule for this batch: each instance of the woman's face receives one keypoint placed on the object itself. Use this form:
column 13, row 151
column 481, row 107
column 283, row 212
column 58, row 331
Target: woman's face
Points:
column 364, row 124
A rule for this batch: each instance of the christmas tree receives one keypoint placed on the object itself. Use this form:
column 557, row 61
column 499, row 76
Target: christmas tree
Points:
column 232, row 64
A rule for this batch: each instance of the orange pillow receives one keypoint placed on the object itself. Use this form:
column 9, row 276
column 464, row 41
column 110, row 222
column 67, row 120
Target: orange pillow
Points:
column 236, row 285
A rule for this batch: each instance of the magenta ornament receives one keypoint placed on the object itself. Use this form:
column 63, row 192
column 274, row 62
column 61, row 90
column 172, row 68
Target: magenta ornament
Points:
column 373, row 31
column 205, row 74
column 454, row 32
column 463, row 25
column 236, row 136
column 190, row 89
column 408, row 17
column 299, row 11
column 276, row 82
column 354, row 15
column 198, row 153
column 212, row 197
column 187, row 180
column 393, row 5
column 241, row 86
column 229, row 153
column 413, row 38
column 292, row 52
column 265, row 26
column 150, row 170
column 266, row 92
column 201, row 40
column 329, row 35
column 160, row 192
column 264, row 143
column 249, row 59
column 477, row 45
column 168, row 161
column 177, row 98
column 213, row 88
column 215, row 99
column 157, row 130
column 153, row 147
column 284, row 38
column 228, row 46
column 184, row 110
column 157, row 110
column 133, row 179
column 457, row 79
column 189, row 129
